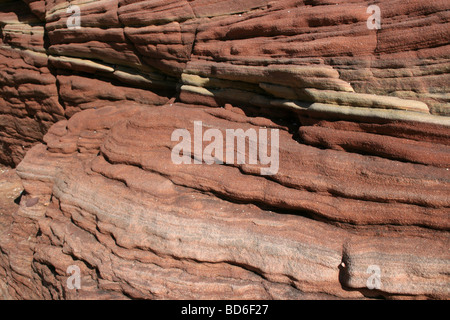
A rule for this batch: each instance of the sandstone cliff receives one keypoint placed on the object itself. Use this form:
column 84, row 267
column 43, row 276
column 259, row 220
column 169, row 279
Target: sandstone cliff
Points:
column 363, row 181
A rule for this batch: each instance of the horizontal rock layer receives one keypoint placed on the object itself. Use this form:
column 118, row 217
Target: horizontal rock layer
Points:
column 139, row 226
column 362, row 181
column 258, row 52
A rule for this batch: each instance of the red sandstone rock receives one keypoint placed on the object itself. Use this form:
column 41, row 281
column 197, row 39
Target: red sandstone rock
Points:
column 283, row 237
column 363, row 176
column 150, row 44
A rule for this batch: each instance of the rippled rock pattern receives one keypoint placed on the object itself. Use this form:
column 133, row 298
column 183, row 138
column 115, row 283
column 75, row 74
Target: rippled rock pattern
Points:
column 363, row 183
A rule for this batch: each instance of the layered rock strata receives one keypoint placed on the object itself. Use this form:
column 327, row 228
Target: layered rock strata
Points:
column 139, row 226
column 360, row 194
column 258, row 52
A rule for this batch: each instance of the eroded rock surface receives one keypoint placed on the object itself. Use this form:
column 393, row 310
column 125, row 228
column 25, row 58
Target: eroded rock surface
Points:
column 112, row 202
column 253, row 52
column 364, row 151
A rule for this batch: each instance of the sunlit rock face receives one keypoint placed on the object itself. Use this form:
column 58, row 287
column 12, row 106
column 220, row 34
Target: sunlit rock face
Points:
column 350, row 107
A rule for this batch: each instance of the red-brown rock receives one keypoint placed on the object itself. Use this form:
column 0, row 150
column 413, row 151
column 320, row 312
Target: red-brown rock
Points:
column 87, row 116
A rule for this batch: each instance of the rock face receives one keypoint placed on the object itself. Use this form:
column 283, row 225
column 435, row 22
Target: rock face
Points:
column 357, row 207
